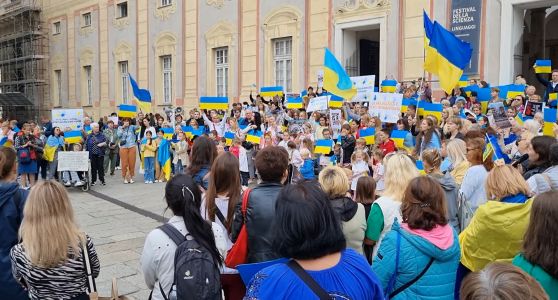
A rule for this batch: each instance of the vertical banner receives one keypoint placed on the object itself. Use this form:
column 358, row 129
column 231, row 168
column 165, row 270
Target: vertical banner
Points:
column 465, row 24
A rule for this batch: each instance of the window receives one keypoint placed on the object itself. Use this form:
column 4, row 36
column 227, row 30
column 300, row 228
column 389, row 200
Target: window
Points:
column 166, row 2
column 222, row 71
column 282, row 58
column 58, row 82
column 86, row 19
column 89, row 85
column 122, row 10
column 123, row 67
column 56, row 27
column 167, row 78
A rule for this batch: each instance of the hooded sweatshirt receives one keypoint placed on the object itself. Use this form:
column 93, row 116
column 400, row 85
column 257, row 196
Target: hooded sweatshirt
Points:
column 353, row 221
column 12, row 200
column 451, row 190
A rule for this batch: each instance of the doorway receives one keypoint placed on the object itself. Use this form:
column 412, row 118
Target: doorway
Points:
column 361, row 51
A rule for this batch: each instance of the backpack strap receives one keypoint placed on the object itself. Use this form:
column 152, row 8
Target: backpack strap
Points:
column 220, row 215
column 308, row 280
column 174, row 234
column 391, row 282
column 408, row 284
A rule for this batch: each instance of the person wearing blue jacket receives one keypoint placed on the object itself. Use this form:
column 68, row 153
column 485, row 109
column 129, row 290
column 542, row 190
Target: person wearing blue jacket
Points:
column 307, row 168
column 419, row 256
column 12, row 200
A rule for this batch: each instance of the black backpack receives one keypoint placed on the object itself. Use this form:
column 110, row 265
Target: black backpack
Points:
column 195, row 273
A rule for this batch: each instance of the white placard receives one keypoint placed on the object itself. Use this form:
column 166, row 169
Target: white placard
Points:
column 386, row 106
column 318, row 103
column 335, row 119
column 73, row 161
column 320, row 74
column 114, row 120
column 67, row 118
column 364, row 86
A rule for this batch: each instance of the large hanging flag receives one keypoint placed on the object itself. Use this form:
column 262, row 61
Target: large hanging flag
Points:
column 336, row 80
column 167, row 132
column 214, row 103
column 323, row 147
column 451, row 57
column 389, row 85
column 254, row 136
column 72, row 137
column 543, row 66
column 429, row 51
column 271, row 91
column 4, row 142
column 163, row 157
column 549, row 115
column 143, row 97
column 127, row 111
column 369, row 135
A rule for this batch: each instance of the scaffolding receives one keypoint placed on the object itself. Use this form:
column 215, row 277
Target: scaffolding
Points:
column 22, row 54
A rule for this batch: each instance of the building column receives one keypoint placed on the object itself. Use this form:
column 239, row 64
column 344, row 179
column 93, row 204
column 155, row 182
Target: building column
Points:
column 104, row 104
column 72, row 74
column 250, row 47
column 191, row 53
column 142, row 40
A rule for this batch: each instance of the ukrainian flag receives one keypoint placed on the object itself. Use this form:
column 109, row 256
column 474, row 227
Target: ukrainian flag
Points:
column 511, row 90
column 463, row 81
column 483, row 95
column 48, row 152
column 549, row 115
column 163, row 157
column 167, row 133
column 552, row 98
column 430, row 52
column 335, row 101
column 254, row 136
column 229, row 136
column 72, row 137
column 143, row 97
column 294, row 103
column 323, row 146
column 493, row 146
column 369, row 134
column 87, row 129
column 420, row 167
column 198, row 132
column 434, row 109
column 187, row 131
column 519, row 119
column 543, row 66
column 406, row 102
column 127, row 111
column 389, row 85
column 4, row 142
column 336, row 80
column 214, row 103
column 271, row 91
column 398, row 136
column 471, row 88
column 451, row 57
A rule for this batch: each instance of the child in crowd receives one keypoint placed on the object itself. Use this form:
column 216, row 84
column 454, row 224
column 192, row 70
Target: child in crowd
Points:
column 148, row 152
column 242, row 161
column 365, row 194
column 376, row 163
column 347, row 142
column 159, row 173
column 285, row 140
column 359, row 167
column 307, row 168
column 361, row 145
column 72, row 177
column 337, row 154
column 180, row 160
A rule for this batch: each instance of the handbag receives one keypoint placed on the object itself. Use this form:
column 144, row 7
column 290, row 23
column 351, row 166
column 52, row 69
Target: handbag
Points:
column 239, row 251
column 308, row 280
column 24, row 155
column 92, row 287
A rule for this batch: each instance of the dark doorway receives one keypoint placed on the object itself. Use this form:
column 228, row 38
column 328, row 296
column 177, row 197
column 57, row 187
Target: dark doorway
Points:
column 369, row 58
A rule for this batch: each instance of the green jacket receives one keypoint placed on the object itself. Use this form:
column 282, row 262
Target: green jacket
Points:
column 549, row 283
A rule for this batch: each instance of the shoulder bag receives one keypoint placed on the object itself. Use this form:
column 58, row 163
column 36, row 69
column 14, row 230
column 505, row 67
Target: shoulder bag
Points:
column 238, row 254
column 308, row 280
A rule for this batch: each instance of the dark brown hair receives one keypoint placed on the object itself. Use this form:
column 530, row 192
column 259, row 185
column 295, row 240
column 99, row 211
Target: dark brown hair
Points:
column 365, row 192
column 7, row 161
column 540, row 245
column 203, row 154
column 224, row 179
column 426, row 135
column 424, row 204
column 477, row 145
column 541, row 146
column 271, row 163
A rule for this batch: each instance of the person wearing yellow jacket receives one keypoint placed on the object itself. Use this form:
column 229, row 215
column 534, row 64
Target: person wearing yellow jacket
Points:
column 497, row 228
column 148, row 152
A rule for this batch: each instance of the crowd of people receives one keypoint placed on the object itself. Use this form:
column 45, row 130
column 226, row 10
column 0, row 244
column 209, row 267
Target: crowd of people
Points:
column 438, row 215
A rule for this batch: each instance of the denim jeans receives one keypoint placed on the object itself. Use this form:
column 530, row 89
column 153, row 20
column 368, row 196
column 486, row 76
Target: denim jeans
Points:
column 178, row 167
column 149, row 168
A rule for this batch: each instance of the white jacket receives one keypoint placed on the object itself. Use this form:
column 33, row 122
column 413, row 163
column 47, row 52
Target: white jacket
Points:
column 242, row 160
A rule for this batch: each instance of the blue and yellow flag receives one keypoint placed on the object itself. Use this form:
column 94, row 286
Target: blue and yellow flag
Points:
column 463, row 81
column 552, row 99
column 271, row 91
column 469, row 89
column 451, row 57
column 420, row 167
column 406, row 102
column 483, row 96
column 72, row 137
column 335, row 101
column 429, row 51
column 493, row 147
column 49, row 152
column 214, row 103
column 368, row 134
column 434, row 109
column 127, row 111
column 254, row 136
column 143, row 96
column 398, row 136
column 511, row 90
column 549, row 115
column 336, row 80
column 294, row 103
column 229, row 136
column 4, row 142
column 87, row 129
column 167, row 132
column 389, row 85
column 163, row 157
column 323, row 146
column 543, row 66
column 519, row 119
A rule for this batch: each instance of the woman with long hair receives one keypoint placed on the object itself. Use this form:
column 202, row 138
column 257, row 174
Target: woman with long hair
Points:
column 409, row 141
column 540, row 249
column 56, row 142
column 472, row 187
column 202, row 156
column 456, row 151
column 218, row 206
column 49, row 261
column 428, row 137
column 399, row 171
column 184, row 199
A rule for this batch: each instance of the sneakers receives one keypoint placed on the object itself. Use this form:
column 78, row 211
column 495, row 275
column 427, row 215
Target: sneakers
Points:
column 131, row 181
column 125, row 181
column 93, row 183
column 157, row 181
column 67, row 183
column 103, row 183
column 118, row 168
column 79, row 183
column 146, row 182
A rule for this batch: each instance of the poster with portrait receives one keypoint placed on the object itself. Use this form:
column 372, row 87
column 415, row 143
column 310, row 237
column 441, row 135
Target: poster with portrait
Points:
column 497, row 116
column 531, row 108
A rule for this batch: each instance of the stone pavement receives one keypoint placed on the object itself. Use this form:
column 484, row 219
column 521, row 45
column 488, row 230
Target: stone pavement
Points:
column 118, row 217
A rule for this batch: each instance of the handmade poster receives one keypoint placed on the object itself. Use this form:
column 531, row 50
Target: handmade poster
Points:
column 67, row 118
column 335, row 119
column 497, row 116
column 531, row 108
column 320, row 75
column 114, row 120
column 318, row 104
column 73, row 161
column 386, row 106
column 364, row 86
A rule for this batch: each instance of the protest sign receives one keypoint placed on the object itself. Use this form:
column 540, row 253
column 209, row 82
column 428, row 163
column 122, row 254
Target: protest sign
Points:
column 318, row 103
column 531, row 108
column 114, row 120
column 67, row 118
column 386, row 106
column 498, row 118
column 364, row 86
column 335, row 119
column 320, row 75
column 73, row 161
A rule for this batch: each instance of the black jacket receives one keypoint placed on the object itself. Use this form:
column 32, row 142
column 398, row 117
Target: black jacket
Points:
column 345, row 207
column 260, row 215
column 548, row 89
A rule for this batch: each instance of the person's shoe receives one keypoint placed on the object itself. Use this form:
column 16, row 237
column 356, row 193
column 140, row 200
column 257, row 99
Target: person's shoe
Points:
column 67, row 183
column 111, row 173
column 79, row 183
column 150, row 182
column 125, row 181
column 131, row 181
column 118, row 168
column 93, row 183
column 103, row 183
column 146, row 182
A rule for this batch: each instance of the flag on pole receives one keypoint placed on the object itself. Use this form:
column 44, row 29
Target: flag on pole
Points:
column 543, row 66
column 214, row 103
column 143, row 96
column 271, row 91
column 127, row 111
column 429, row 51
column 336, row 80
column 323, row 146
column 368, row 134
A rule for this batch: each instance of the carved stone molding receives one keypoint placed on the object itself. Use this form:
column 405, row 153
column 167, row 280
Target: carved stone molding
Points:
column 216, row 3
column 121, row 23
column 86, row 31
column 354, row 7
column 122, row 52
column 163, row 13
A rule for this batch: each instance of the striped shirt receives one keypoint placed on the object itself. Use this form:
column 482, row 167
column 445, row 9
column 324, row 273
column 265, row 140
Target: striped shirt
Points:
column 64, row 281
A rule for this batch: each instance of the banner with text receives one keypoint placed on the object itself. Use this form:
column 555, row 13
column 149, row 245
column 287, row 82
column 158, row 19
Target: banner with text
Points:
column 364, row 86
column 67, row 118
column 386, row 106
column 318, row 104
column 465, row 24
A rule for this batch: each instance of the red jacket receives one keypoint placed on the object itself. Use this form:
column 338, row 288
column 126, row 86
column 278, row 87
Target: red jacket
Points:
column 388, row 146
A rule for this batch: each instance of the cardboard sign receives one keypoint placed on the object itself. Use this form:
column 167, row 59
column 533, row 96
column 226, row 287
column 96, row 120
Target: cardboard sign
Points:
column 73, row 161
column 386, row 106
column 318, row 104
column 67, row 118
column 335, row 119
column 364, row 86
column 531, row 108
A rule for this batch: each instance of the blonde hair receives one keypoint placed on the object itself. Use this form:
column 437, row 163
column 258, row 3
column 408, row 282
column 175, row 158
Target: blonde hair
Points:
column 48, row 231
column 334, row 181
column 399, row 171
column 532, row 126
column 457, row 151
column 305, row 153
column 365, row 156
column 505, row 181
column 432, row 160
